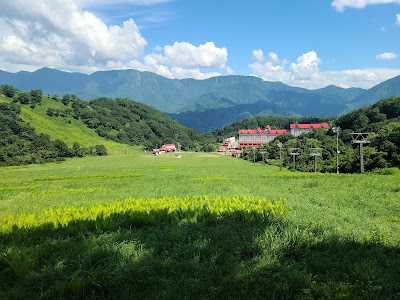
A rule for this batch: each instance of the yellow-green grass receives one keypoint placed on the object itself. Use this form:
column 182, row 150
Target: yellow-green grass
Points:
column 340, row 238
column 66, row 129
column 362, row 206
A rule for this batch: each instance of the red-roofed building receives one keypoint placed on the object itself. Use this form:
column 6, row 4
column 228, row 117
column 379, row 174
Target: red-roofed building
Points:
column 297, row 129
column 168, row 148
column 257, row 137
column 165, row 148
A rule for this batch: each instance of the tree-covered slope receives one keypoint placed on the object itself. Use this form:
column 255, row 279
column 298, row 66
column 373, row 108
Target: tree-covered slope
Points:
column 20, row 143
column 66, row 128
column 126, row 121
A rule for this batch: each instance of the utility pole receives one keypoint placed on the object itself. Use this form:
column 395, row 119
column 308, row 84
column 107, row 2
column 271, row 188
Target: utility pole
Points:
column 315, row 152
column 294, row 152
column 360, row 138
column 280, row 155
column 336, row 130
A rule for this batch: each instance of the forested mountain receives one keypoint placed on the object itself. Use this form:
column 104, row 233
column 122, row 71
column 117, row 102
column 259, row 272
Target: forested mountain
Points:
column 390, row 87
column 190, row 99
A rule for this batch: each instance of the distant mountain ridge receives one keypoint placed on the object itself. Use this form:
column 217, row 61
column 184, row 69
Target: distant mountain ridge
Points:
column 196, row 102
column 388, row 88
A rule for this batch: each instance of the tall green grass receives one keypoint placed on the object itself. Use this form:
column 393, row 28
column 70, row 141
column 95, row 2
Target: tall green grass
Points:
column 340, row 237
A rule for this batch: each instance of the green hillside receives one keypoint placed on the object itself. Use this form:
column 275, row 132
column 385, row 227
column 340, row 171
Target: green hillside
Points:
column 66, row 129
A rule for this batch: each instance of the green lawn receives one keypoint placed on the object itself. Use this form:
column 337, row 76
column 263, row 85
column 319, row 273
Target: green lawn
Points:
column 340, row 239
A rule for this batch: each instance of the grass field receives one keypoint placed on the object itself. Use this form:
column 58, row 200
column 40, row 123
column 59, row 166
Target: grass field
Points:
column 340, row 238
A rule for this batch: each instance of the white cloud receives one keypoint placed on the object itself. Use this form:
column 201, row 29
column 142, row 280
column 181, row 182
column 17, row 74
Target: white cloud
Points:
column 270, row 72
column 306, row 73
column 301, row 73
column 386, row 56
column 273, row 56
column 306, row 67
column 340, row 5
column 56, row 33
column 186, row 55
column 59, row 34
column 184, row 60
column 398, row 19
column 258, row 55
column 98, row 3
column 229, row 71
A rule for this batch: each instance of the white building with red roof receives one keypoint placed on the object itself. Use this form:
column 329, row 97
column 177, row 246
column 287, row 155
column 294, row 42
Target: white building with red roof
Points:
column 165, row 148
column 297, row 129
column 257, row 137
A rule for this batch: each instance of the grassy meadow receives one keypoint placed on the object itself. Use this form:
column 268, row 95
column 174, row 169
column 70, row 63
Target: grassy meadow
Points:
column 338, row 238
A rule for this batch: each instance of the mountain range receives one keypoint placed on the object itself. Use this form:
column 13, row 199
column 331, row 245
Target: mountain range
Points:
column 203, row 104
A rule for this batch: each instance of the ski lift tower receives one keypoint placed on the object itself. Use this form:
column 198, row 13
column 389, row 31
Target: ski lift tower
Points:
column 294, row 152
column 361, row 139
column 315, row 152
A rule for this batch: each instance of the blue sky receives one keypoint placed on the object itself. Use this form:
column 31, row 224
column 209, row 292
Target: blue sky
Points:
column 309, row 43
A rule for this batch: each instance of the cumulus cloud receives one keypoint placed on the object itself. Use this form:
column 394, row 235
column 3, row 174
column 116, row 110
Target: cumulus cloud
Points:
column 56, row 33
column 60, row 34
column 306, row 66
column 340, row 5
column 184, row 60
column 398, row 19
column 386, row 56
column 273, row 56
column 258, row 55
column 186, row 55
column 305, row 72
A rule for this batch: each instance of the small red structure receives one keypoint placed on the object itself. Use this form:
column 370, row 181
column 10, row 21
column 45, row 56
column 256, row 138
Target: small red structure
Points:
column 221, row 148
column 165, row 148
column 168, row 148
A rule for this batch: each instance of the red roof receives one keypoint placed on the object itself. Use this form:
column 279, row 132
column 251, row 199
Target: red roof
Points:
column 267, row 130
column 308, row 126
column 168, row 147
